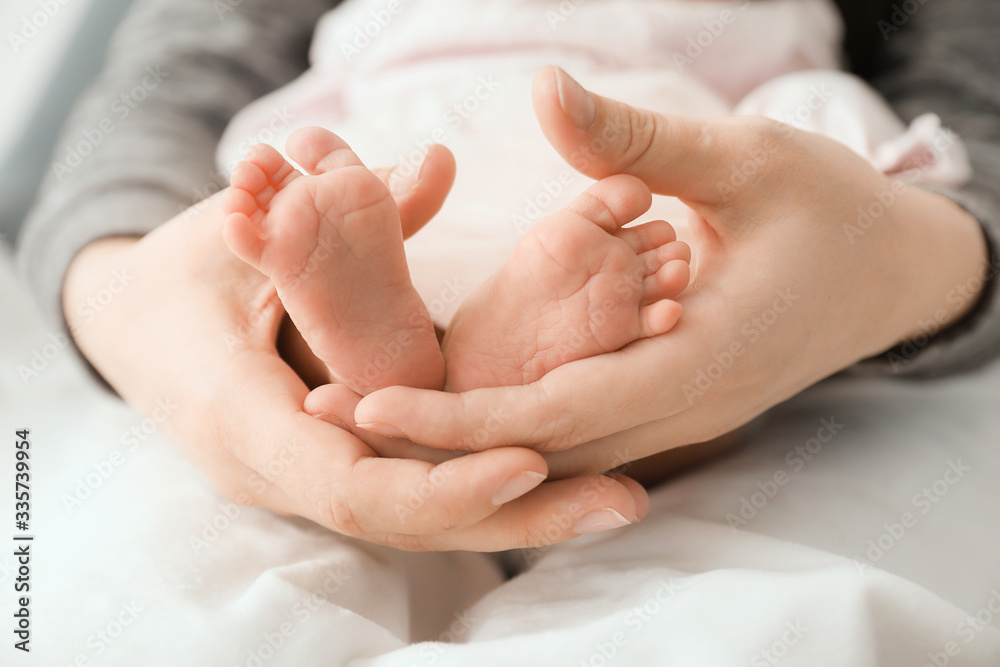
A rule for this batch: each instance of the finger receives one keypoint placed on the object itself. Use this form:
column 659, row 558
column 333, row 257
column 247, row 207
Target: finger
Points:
column 552, row 513
column 639, row 494
column 335, row 404
column 674, row 155
column 336, row 480
column 568, row 406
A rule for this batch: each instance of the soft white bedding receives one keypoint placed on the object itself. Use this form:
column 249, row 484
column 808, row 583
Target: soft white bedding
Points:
column 135, row 574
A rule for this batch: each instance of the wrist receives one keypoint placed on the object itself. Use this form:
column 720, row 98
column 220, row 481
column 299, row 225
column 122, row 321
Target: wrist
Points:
column 941, row 256
column 95, row 277
column 91, row 267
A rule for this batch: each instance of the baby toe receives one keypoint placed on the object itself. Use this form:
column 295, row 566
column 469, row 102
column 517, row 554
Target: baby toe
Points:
column 249, row 177
column 648, row 236
column 319, row 151
column 243, row 237
column 613, row 202
column 238, row 200
column 668, row 282
column 658, row 318
column 657, row 257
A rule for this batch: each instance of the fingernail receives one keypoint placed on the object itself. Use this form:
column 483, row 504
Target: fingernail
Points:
column 332, row 419
column 576, row 102
column 405, row 177
column 387, row 430
column 598, row 520
column 517, row 486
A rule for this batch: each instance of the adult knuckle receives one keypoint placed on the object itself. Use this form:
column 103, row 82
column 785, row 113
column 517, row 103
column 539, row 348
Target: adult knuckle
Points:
column 337, row 515
column 644, row 131
column 405, row 542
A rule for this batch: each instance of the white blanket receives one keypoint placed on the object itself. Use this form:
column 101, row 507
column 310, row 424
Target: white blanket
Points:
column 793, row 551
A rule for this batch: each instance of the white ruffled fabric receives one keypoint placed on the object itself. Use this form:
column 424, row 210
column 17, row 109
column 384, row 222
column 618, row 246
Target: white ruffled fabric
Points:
column 392, row 78
column 857, row 528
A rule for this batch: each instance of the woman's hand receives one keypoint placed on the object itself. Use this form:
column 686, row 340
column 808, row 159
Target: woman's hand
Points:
column 192, row 326
column 792, row 284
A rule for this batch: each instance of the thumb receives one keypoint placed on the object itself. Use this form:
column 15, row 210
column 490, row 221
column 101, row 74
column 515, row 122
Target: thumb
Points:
column 690, row 158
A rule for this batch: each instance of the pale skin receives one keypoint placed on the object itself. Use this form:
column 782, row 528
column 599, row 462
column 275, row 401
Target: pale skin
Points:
column 854, row 300
column 577, row 285
column 851, row 298
column 241, row 415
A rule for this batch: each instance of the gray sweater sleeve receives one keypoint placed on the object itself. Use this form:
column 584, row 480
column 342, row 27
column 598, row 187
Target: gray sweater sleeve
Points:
column 140, row 145
column 944, row 58
column 178, row 70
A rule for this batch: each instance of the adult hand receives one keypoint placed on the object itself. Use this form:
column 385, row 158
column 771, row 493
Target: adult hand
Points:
column 196, row 328
column 788, row 289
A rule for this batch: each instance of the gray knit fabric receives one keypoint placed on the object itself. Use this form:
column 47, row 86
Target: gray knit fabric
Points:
column 200, row 61
column 945, row 58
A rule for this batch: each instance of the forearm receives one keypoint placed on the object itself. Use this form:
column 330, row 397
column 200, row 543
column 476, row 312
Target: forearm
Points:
column 944, row 61
column 140, row 147
column 940, row 264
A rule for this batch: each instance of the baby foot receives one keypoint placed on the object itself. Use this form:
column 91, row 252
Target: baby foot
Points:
column 577, row 285
column 331, row 243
